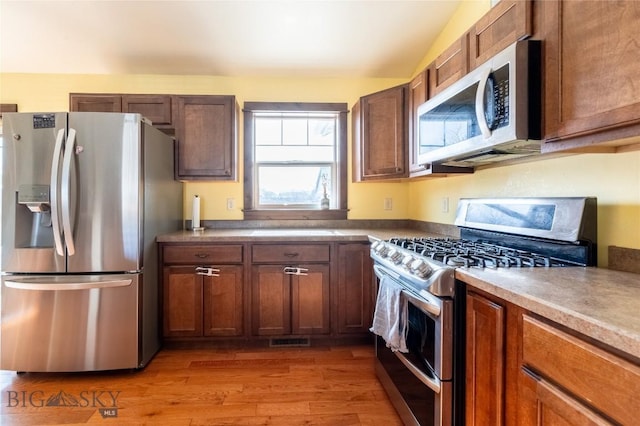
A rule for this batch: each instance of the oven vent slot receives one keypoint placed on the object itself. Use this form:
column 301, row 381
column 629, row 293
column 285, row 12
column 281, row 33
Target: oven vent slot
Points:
column 290, row 342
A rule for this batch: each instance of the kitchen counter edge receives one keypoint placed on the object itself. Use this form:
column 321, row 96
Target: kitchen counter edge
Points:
column 287, row 234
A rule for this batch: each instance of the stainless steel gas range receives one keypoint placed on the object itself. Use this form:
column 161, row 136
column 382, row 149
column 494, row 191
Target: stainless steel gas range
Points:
column 419, row 317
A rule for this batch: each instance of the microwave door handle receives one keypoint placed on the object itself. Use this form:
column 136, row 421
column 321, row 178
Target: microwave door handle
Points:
column 55, row 192
column 482, row 121
column 66, row 192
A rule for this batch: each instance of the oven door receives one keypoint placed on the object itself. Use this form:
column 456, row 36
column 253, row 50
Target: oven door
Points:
column 420, row 382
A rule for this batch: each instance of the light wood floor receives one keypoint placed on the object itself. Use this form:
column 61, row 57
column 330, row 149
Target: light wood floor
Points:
column 291, row 386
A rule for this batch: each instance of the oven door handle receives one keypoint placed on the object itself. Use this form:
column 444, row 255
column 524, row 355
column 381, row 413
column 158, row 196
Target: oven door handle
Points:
column 381, row 272
column 425, row 302
column 432, row 382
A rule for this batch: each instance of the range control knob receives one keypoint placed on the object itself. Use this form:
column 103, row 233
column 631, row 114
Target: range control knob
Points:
column 381, row 249
column 407, row 261
column 394, row 255
column 420, row 268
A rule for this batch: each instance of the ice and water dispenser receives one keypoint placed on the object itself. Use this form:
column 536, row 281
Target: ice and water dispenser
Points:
column 33, row 216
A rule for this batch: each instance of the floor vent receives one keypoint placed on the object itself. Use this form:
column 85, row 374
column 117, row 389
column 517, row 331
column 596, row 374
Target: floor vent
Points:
column 290, row 342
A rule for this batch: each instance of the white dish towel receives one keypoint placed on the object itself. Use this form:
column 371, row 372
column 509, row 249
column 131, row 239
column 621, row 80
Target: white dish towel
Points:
column 390, row 317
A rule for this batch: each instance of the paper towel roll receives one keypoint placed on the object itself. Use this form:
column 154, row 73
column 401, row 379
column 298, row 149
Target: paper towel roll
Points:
column 195, row 218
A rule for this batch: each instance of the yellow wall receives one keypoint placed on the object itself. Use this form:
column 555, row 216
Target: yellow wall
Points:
column 613, row 178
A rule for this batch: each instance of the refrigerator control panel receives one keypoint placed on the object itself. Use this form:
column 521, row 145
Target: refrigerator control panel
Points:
column 44, row 121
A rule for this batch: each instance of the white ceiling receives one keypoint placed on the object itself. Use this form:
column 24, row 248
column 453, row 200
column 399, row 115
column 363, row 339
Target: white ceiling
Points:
column 307, row 38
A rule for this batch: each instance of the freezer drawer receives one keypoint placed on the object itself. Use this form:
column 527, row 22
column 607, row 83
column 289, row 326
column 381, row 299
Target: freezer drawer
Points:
column 69, row 323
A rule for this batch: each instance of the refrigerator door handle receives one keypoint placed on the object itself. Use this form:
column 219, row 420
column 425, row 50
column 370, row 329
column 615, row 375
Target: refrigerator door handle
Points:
column 40, row 284
column 66, row 192
column 55, row 206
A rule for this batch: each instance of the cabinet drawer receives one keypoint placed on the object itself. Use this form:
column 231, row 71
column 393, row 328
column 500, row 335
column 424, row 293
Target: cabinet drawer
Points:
column 204, row 254
column 609, row 383
column 266, row 253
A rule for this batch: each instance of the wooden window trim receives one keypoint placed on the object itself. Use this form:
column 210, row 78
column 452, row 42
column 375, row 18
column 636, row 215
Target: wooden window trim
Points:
column 250, row 213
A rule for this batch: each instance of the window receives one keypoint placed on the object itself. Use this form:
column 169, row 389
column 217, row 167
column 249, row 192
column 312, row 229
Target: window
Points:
column 295, row 159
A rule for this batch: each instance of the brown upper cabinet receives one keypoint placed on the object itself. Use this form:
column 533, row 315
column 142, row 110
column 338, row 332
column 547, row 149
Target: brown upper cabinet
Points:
column 95, row 102
column 156, row 108
column 380, row 127
column 507, row 22
column 592, row 95
column 206, row 133
column 8, row 108
column 449, row 66
column 205, row 127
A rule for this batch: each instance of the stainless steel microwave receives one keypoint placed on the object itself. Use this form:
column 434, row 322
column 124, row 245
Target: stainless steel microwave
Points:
column 494, row 113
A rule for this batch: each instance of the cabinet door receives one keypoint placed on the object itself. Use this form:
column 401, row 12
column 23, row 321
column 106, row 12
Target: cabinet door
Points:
column 95, row 103
column 182, row 302
column 380, row 135
column 592, row 93
column 156, row 108
column 449, row 66
column 557, row 408
column 355, row 288
column 507, row 22
column 485, row 361
column 271, row 301
column 222, row 307
column 310, row 295
column 206, row 138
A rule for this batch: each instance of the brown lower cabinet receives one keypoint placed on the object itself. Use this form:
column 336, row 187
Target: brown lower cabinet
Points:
column 202, row 290
column 523, row 369
column 198, row 305
column 568, row 380
column 285, row 303
column 355, row 295
column 316, row 290
column 485, row 361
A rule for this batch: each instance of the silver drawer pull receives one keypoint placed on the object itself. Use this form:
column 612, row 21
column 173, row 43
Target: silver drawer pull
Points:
column 208, row 272
column 291, row 270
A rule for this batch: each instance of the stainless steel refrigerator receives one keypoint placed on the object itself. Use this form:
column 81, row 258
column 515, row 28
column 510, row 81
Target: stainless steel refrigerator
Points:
column 83, row 197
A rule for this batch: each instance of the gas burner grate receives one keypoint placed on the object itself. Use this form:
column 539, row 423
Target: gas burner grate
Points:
column 468, row 253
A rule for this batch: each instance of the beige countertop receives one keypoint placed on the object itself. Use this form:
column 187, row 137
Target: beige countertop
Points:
column 286, row 234
column 600, row 303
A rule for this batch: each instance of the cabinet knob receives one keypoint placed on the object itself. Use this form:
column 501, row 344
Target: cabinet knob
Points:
column 201, row 255
column 291, row 255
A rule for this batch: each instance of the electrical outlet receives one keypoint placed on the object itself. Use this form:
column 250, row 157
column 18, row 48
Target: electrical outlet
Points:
column 445, row 205
column 388, row 203
column 231, row 203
